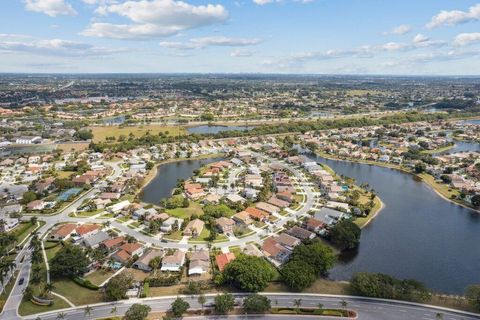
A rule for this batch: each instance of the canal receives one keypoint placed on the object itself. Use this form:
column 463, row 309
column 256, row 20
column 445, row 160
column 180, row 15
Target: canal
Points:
column 417, row 235
column 168, row 174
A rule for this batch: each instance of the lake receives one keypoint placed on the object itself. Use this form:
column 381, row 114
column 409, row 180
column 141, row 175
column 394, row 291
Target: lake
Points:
column 417, row 235
column 168, row 174
column 206, row 129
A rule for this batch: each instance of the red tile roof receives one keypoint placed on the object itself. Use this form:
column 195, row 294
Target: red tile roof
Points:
column 223, row 259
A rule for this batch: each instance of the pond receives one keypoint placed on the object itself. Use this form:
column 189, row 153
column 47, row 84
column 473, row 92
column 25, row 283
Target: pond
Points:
column 417, row 235
column 162, row 185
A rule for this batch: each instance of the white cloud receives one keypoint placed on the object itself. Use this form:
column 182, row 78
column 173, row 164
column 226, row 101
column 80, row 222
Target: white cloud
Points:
column 464, row 39
column 241, row 53
column 198, row 43
column 454, row 17
column 52, row 8
column 155, row 19
column 56, row 47
column 399, row 30
column 420, row 38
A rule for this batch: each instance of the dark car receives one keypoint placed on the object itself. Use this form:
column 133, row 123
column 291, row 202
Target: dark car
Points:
column 20, row 282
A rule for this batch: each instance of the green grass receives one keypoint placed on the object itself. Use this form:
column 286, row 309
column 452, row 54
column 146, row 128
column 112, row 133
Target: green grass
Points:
column 99, row 276
column 174, row 236
column 442, row 188
column 182, row 213
column 100, row 133
column 77, row 294
column 52, row 251
column 27, row 307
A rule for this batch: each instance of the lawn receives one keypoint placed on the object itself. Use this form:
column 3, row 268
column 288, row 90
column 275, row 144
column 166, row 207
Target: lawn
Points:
column 52, row 251
column 319, row 286
column 182, row 213
column 77, row 294
column 100, row 133
column 27, row 308
column 442, row 188
column 65, row 174
column 174, row 236
column 99, row 276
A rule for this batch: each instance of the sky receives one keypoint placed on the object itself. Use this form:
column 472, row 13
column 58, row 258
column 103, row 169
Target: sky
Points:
column 387, row 37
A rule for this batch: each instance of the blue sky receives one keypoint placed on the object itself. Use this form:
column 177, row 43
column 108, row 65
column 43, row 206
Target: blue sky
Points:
column 426, row 37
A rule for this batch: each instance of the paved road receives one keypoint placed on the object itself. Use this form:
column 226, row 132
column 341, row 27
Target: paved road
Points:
column 368, row 309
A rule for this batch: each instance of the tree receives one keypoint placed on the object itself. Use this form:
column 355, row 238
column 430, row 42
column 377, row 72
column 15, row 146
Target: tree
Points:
column 28, row 197
column 476, row 200
column 378, row 285
column 256, row 303
column 202, row 300
column 316, row 254
column 88, row 310
column 249, row 273
column 298, row 275
column 344, row 304
column 346, row 235
column 137, row 312
column 179, row 307
column 420, row 167
column 27, row 293
column 224, row 303
column 117, row 287
column 473, row 296
column 70, row 261
column 84, row 134
column 297, row 303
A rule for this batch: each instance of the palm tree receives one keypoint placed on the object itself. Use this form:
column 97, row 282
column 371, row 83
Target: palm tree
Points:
column 114, row 310
column 88, row 310
column 344, row 304
column 48, row 287
column 202, row 300
column 60, row 315
column 320, row 306
column 439, row 316
column 297, row 303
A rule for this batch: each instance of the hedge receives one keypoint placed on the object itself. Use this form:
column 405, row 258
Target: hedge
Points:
column 85, row 283
column 162, row 282
column 146, row 290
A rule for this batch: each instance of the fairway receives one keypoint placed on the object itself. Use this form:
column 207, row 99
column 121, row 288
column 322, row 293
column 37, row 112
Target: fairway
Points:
column 100, row 134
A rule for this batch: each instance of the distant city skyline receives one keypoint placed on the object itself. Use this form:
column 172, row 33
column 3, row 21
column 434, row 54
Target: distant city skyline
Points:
column 409, row 37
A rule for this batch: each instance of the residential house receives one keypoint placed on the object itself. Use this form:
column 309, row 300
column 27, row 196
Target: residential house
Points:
column 274, row 250
column 173, row 262
column 199, row 263
column 225, row 225
column 194, row 228
column 62, row 232
column 143, row 263
column 223, row 259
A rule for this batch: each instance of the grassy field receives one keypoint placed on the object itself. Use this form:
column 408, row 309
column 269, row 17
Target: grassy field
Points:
column 102, row 132
column 99, row 276
column 319, row 286
column 442, row 188
column 67, row 147
column 77, row 294
column 182, row 213
column 27, row 308
column 438, row 150
column 363, row 221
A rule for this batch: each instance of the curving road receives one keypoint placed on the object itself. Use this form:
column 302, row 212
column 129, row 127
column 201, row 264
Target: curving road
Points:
column 368, row 309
